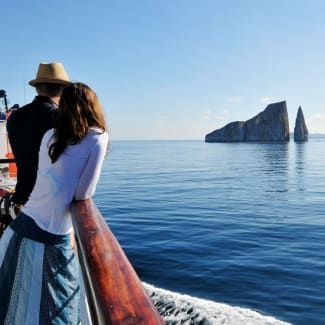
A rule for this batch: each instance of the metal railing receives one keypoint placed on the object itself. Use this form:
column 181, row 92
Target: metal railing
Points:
column 115, row 294
column 5, row 198
column 5, row 161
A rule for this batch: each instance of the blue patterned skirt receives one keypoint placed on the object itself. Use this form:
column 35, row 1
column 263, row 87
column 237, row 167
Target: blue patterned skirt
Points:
column 39, row 276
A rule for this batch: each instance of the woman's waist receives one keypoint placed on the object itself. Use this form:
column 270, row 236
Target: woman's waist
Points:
column 28, row 227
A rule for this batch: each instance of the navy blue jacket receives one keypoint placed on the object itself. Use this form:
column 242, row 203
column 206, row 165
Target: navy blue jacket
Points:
column 26, row 127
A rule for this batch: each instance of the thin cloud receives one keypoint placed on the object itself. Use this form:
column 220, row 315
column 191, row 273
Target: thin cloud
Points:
column 316, row 123
column 233, row 99
column 317, row 117
column 265, row 100
column 207, row 115
column 211, row 115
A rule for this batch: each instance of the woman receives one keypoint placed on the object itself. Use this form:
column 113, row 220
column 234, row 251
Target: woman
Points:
column 39, row 278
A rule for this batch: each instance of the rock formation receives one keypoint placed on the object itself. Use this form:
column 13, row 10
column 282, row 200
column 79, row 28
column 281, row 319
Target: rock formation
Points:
column 300, row 131
column 270, row 125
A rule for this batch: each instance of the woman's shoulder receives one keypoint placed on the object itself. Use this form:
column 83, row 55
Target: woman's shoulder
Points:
column 48, row 133
column 97, row 130
column 47, row 138
column 96, row 135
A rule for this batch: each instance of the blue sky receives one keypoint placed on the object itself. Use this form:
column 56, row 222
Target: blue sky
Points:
column 173, row 69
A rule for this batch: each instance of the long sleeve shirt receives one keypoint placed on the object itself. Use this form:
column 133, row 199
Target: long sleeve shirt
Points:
column 73, row 176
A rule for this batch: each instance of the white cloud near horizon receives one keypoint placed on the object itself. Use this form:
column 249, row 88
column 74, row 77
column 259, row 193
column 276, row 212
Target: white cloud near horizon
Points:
column 265, row 99
column 315, row 123
column 233, row 99
column 213, row 116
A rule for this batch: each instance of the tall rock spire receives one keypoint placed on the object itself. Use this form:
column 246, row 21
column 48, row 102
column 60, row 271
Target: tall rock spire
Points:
column 300, row 131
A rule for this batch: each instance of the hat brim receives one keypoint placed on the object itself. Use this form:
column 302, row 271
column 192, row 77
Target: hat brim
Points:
column 34, row 82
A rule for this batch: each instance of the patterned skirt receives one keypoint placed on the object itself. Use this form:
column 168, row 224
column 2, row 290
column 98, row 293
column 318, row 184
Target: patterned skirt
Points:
column 39, row 276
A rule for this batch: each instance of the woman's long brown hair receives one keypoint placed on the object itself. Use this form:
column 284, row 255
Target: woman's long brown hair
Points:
column 79, row 110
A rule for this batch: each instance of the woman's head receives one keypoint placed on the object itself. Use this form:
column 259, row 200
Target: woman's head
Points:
column 79, row 110
column 79, row 107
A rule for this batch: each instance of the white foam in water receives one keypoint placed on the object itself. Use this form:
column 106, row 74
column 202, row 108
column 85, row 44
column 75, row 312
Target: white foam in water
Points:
column 177, row 309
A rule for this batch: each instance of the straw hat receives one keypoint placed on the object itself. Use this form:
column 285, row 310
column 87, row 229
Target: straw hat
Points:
column 53, row 73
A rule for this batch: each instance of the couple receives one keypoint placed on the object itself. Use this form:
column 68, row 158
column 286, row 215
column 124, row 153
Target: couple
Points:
column 39, row 277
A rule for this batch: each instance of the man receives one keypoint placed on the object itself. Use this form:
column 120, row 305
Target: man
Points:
column 27, row 125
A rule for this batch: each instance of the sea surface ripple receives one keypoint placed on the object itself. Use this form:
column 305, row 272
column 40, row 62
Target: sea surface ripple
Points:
column 237, row 224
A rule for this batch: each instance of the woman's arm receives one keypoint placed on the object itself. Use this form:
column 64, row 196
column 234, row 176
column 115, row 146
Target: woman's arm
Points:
column 90, row 175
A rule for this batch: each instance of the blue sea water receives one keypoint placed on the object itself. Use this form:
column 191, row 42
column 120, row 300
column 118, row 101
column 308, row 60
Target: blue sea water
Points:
column 236, row 223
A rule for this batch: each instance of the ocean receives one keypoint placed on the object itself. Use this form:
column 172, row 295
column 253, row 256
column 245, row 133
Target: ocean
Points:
column 234, row 229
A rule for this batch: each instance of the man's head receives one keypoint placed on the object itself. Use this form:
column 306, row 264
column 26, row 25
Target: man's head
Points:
column 49, row 90
column 50, row 80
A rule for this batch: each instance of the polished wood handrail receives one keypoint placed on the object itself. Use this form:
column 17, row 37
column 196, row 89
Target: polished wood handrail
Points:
column 115, row 294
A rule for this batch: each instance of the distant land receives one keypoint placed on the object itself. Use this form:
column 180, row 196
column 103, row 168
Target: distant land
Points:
column 270, row 125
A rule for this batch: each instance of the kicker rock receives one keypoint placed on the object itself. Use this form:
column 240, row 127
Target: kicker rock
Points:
column 270, row 125
column 300, row 131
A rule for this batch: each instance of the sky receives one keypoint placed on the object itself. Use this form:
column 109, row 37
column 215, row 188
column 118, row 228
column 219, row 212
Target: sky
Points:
column 173, row 69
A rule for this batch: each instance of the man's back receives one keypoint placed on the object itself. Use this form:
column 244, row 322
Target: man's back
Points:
column 26, row 127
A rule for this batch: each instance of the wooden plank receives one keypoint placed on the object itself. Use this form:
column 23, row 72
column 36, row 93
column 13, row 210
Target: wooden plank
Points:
column 115, row 293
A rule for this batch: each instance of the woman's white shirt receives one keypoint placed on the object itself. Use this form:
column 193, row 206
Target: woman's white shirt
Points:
column 73, row 176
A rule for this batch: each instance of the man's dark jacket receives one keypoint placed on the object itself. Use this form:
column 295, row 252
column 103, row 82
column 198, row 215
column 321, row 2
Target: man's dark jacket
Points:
column 26, row 127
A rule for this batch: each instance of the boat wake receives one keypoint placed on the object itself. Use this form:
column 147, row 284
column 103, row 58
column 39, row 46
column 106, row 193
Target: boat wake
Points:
column 177, row 309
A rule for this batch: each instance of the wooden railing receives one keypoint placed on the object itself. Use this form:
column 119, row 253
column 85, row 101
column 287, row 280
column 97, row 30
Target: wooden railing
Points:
column 115, row 294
